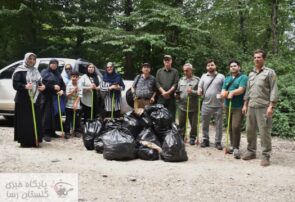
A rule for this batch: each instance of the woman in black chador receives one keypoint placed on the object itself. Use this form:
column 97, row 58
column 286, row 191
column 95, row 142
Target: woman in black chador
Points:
column 49, row 106
column 27, row 82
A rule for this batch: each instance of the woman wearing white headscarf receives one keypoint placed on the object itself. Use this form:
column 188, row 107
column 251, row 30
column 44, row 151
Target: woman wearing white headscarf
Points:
column 27, row 79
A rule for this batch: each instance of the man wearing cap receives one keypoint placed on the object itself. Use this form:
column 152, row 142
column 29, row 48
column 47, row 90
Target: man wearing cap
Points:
column 260, row 99
column 144, row 87
column 166, row 80
column 187, row 87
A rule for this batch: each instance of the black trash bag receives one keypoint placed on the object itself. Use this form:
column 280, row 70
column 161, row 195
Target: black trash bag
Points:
column 110, row 124
column 91, row 130
column 118, row 145
column 144, row 152
column 173, row 148
column 148, row 154
column 132, row 123
column 148, row 135
column 98, row 145
column 161, row 119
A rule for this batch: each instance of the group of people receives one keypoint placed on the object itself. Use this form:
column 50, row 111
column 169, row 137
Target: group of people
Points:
column 255, row 95
column 236, row 94
column 41, row 99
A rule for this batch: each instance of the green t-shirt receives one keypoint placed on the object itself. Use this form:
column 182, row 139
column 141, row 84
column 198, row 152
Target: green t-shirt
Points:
column 241, row 81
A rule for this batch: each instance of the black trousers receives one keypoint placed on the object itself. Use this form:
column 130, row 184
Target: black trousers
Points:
column 70, row 120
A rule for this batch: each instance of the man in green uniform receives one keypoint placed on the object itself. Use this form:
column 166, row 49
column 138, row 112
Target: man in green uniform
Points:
column 233, row 90
column 260, row 99
column 166, row 82
column 187, row 86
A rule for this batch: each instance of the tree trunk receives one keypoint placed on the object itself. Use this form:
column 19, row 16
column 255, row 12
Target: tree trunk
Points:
column 128, row 64
column 243, row 36
column 274, row 27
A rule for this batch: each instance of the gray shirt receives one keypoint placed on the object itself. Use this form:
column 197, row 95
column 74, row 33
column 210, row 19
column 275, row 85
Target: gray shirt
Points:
column 210, row 93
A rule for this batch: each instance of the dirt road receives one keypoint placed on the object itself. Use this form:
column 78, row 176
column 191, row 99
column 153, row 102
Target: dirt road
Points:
column 209, row 175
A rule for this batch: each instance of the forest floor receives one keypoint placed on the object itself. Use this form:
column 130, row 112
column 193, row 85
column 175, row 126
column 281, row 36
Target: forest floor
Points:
column 208, row 175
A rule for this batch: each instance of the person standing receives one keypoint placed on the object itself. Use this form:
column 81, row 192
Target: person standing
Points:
column 210, row 86
column 233, row 90
column 49, row 101
column 27, row 80
column 144, row 87
column 166, row 80
column 111, row 87
column 188, row 86
column 90, row 85
column 74, row 95
column 260, row 100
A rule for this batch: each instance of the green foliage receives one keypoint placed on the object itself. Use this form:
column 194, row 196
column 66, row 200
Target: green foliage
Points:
column 129, row 33
column 283, row 120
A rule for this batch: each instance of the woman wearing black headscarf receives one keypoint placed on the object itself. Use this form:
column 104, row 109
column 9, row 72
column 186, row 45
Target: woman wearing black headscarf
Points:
column 54, row 87
column 90, row 85
column 111, row 86
column 27, row 82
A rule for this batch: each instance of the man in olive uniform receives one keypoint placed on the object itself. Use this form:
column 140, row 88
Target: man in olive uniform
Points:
column 166, row 82
column 188, row 86
column 260, row 99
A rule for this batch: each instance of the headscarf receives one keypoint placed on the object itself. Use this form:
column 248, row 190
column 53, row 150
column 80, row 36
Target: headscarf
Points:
column 113, row 78
column 52, row 75
column 33, row 75
column 92, row 76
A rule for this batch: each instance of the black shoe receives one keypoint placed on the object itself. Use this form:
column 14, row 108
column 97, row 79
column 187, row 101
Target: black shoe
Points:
column 67, row 136
column 218, row 146
column 77, row 134
column 192, row 141
column 54, row 135
column 47, row 138
column 205, row 143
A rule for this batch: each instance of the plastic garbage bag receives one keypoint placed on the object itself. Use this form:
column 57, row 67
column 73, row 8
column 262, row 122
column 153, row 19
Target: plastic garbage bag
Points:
column 118, row 144
column 173, row 148
column 133, row 123
column 91, row 130
column 98, row 144
column 161, row 119
column 148, row 145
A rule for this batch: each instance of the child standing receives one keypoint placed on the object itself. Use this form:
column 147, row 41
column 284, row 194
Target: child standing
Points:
column 74, row 94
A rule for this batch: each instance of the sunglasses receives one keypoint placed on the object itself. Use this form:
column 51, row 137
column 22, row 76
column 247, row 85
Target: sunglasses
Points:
column 68, row 69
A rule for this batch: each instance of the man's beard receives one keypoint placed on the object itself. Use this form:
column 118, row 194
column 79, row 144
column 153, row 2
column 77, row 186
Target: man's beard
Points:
column 210, row 70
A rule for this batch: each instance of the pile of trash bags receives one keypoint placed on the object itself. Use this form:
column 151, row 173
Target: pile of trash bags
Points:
column 151, row 136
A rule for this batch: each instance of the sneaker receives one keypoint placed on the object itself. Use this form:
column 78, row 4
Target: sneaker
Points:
column 47, row 138
column 205, row 143
column 265, row 162
column 237, row 154
column 192, row 141
column 230, row 150
column 218, row 146
column 249, row 156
